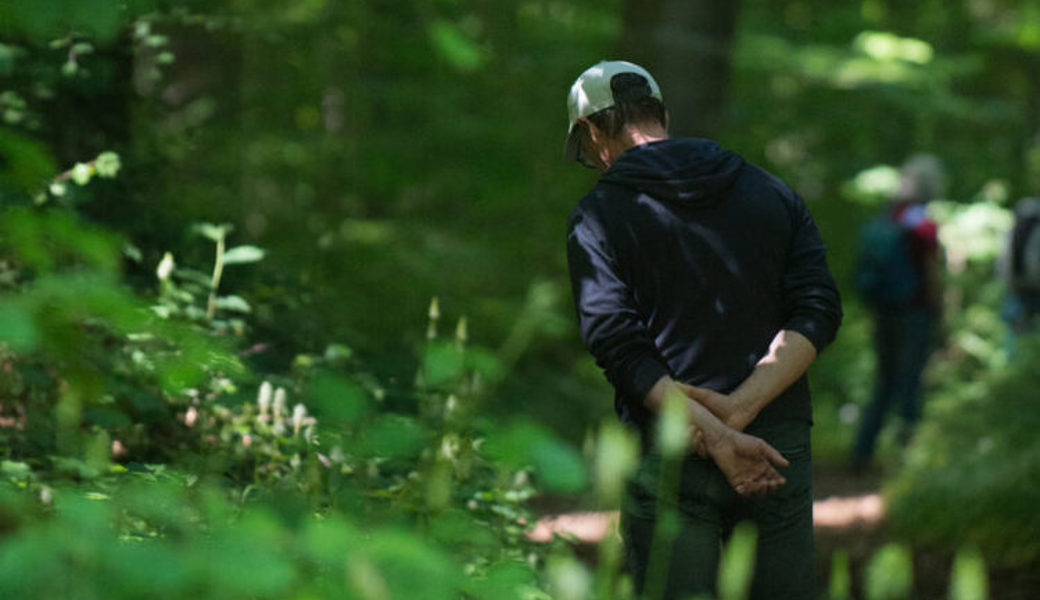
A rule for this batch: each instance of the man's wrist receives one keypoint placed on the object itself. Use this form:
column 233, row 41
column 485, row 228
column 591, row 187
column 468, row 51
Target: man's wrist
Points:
column 743, row 410
column 654, row 399
column 716, row 438
column 713, row 430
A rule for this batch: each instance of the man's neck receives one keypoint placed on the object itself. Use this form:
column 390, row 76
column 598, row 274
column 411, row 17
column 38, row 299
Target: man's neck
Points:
column 635, row 136
column 639, row 136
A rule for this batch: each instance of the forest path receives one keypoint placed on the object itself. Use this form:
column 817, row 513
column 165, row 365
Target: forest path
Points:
column 841, row 503
column 849, row 516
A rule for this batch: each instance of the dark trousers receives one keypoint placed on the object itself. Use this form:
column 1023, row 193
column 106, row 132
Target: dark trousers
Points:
column 708, row 510
column 902, row 342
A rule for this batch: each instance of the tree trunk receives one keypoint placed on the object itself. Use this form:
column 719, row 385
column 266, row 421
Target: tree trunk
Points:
column 687, row 45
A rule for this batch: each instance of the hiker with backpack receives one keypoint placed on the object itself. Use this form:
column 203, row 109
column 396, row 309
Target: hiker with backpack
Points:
column 1019, row 266
column 898, row 276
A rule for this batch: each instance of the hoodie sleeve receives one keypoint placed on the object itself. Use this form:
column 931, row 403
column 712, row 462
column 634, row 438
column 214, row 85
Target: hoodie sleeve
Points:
column 610, row 324
column 811, row 300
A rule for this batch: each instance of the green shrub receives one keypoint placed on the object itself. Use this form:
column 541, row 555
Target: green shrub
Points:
column 973, row 472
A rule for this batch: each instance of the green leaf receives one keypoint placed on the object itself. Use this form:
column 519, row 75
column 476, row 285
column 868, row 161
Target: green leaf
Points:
column 245, row 561
column 407, row 563
column 442, row 363
column 456, row 47
column 487, row 363
column 101, row 20
column 18, row 327
column 233, row 303
column 337, row 400
column 617, row 456
column 107, row 164
column 24, row 162
column 39, row 20
column 211, row 231
column 890, row 573
column 558, row 466
column 840, row 587
column 8, row 55
column 81, row 173
column 14, row 469
column 738, row 563
column 969, row 580
column 568, row 578
column 104, row 416
column 394, row 436
column 243, row 254
column 193, row 276
column 504, row 580
column 337, row 353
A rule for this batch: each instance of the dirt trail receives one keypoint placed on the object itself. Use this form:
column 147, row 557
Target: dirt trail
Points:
column 842, row 505
column 861, row 538
column 848, row 515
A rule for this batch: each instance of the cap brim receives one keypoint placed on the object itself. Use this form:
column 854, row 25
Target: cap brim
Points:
column 573, row 147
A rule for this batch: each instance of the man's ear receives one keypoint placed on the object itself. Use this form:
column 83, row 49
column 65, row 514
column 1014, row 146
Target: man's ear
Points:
column 667, row 119
column 595, row 135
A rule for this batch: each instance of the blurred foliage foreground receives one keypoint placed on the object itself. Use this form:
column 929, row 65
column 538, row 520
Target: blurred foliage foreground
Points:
column 317, row 483
column 142, row 455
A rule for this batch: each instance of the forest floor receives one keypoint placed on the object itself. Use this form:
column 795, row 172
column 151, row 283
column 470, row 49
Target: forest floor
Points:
column 860, row 538
column 848, row 515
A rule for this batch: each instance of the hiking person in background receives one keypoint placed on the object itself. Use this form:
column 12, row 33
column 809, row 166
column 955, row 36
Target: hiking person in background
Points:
column 692, row 267
column 898, row 276
column 1019, row 266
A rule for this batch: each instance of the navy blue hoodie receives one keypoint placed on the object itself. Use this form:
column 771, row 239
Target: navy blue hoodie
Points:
column 687, row 260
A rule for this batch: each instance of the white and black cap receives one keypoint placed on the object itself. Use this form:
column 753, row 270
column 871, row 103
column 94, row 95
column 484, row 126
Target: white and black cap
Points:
column 601, row 86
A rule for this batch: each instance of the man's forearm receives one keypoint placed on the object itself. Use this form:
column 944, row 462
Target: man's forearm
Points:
column 749, row 463
column 789, row 356
column 699, row 417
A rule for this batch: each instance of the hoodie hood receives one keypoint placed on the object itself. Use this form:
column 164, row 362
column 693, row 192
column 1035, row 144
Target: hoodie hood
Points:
column 689, row 171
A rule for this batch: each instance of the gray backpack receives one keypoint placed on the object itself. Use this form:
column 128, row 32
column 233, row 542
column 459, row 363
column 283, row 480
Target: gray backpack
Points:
column 1024, row 248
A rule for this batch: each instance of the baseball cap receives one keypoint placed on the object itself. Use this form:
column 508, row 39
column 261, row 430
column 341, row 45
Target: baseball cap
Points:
column 596, row 89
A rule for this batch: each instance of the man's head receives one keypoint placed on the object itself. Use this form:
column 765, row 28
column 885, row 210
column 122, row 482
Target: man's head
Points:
column 923, row 179
column 611, row 106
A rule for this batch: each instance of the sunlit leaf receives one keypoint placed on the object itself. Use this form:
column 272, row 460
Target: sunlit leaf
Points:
column 456, row 47
column 107, row 164
column 617, row 455
column 889, row 573
column 337, row 353
column 737, row 564
column 568, row 578
column 243, row 254
column 14, row 469
column 969, row 580
column 81, row 173
column 234, row 303
column 840, row 584
column 211, row 231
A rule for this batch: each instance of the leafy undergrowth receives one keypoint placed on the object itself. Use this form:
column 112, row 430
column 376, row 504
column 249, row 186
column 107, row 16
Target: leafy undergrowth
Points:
column 972, row 474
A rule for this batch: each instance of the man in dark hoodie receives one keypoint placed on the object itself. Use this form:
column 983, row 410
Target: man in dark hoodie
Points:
column 696, row 272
